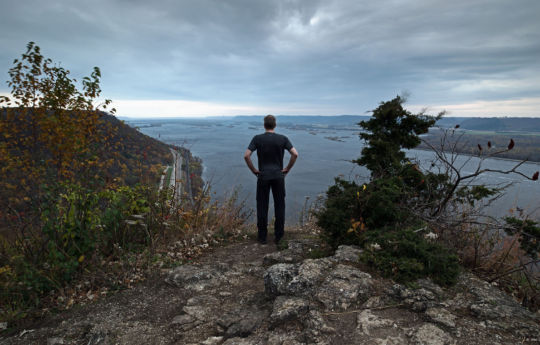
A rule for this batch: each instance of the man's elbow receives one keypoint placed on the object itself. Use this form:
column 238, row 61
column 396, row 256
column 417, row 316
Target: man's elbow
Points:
column 294, row 153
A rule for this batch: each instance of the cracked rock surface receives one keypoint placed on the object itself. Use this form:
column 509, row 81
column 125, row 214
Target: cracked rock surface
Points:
column 248, row 294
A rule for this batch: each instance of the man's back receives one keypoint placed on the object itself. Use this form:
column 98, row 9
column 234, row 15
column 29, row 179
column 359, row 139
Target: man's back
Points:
column 270, row 149
column 270, row 176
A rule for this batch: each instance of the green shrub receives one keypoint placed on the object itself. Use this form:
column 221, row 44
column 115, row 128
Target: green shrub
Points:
column 405, row 256
column 528, row 231
column 380, row 214
column 120, row 204
column 76, row 225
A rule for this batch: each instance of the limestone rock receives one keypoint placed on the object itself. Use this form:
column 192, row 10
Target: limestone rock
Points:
column 194, row 277
column 294, row 279
column 183, row 319
column 315, row 326
column 286, row 338
column 212, row 341
column 285, row 256
column 399, row 340
column 229, row 297
column 345, row 285
column 429, row 334
column 278, row 277
column 415, row 299
column 373, row 302
column 287, row 309
column 240, row 323
column 489, row 302
column 442, row 317
column 96, row 336
column 240, row 341
column 366, row 321
column 302, row 246
column 200, row 307
column 347, row 254
column 310, row 273
column 429, row 285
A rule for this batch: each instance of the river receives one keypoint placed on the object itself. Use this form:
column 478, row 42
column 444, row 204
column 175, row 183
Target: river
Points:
column 221, row 145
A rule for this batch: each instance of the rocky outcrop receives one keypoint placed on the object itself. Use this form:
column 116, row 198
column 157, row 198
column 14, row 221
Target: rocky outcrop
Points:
column 248, row 294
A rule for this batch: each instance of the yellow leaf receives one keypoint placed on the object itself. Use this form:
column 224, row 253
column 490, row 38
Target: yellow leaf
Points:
column 5, row 269
column 81, row 258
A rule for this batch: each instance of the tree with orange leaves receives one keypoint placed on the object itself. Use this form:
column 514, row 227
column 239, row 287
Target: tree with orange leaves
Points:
column 50, row 130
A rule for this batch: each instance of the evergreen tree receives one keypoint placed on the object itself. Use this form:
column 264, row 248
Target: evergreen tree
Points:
column 390, row 130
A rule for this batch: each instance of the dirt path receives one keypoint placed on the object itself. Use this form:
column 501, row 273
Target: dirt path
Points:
column 145, row 314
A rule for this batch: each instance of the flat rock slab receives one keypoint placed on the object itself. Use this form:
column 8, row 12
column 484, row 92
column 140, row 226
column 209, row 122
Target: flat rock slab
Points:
column 429, row 334
column 240, row 323
column 442, row 317
column 288, row 308
column 344, row 286
column 195, row 277
column 286, row 256
column 367, row 321
column 347, row 254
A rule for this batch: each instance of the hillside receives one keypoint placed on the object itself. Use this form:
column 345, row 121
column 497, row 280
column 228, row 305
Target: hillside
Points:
column 131, row 153
column 136, row 151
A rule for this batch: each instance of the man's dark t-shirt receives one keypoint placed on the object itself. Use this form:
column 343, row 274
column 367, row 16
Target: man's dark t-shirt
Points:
column 270, row 148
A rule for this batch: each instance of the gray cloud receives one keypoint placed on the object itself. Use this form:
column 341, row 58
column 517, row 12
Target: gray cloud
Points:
column 347, row 54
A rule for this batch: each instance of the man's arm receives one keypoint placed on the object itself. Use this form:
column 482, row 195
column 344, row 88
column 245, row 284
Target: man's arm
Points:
column 294, row 156
column 247, row 158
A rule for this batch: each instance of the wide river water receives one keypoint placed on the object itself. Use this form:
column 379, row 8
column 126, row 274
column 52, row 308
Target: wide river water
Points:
column 221, row 145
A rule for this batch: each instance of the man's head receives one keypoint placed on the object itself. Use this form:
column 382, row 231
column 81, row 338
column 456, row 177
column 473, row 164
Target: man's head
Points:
column 269, row 122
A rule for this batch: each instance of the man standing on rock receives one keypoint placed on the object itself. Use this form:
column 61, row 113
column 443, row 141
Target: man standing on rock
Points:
column 270, row 148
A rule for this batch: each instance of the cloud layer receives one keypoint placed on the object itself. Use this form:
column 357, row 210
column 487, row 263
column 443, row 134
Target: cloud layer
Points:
column 335, row 56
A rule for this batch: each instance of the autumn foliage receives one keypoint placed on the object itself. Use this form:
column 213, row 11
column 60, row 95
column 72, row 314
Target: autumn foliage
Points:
column 79, row 194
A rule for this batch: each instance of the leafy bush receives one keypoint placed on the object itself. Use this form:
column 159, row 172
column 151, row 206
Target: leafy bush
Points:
column 405, row 255
column 81, row 228
column 121, row 203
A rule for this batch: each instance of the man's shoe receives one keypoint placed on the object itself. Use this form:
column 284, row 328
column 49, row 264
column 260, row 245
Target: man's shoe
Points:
column 262, row 242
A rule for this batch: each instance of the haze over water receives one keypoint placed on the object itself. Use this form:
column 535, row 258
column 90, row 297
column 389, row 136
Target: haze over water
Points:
column 221, row 144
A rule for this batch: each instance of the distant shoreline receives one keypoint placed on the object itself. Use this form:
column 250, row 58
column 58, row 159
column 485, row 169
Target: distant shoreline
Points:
column 492, row 157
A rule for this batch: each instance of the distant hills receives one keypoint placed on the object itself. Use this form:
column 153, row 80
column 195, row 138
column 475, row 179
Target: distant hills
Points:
column 341, row 120
column 495, row 124
column 489, row 124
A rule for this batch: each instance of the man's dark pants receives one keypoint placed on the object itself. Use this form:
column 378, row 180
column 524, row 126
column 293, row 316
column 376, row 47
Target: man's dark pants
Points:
column 263, row 195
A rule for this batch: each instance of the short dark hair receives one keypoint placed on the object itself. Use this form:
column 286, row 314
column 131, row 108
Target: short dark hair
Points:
column 269, row 122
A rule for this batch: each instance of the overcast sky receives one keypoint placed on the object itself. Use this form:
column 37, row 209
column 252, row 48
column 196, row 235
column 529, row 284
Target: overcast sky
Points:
column 225, row 57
